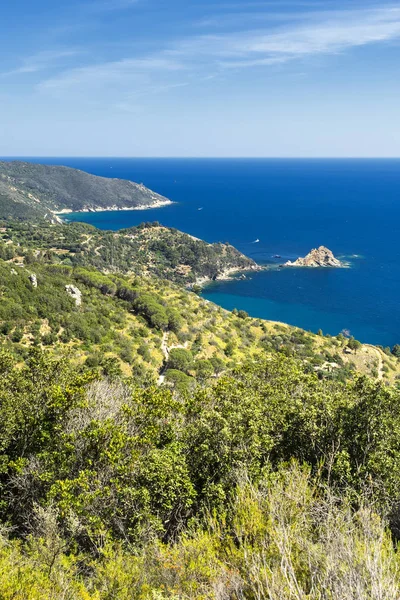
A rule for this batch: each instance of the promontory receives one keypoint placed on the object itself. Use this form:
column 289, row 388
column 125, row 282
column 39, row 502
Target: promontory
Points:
column 29, row 190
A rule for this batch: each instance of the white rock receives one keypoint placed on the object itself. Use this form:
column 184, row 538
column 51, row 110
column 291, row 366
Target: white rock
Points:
column 75, row 293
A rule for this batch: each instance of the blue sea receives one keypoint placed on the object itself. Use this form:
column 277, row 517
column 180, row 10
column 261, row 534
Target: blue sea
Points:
column 290, row 206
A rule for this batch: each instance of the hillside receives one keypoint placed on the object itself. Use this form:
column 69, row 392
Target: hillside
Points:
column 136, row 320
column 29, row 190
column 154, row 446
column 263, row 482
column 146, row 249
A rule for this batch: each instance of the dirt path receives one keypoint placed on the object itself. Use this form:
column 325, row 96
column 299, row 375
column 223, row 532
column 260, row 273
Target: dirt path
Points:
column 165, row 349
column 87, row 240
column 164, row 346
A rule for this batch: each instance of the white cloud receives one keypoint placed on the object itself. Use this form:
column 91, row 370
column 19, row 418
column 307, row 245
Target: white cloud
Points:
column 42, row 61
column 192, row 59
column 321, row 34
column 116, row 72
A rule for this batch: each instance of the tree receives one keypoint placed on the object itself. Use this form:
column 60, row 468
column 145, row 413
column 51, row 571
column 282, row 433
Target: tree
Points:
column 197, row 289
column 353, row 344
column 150, row 307
column 396, row 350
column 242, row 314
column 174, row 320
column 218, row 364
column 180, row 359
column 111, row 367
column 204, row 369
column 180, row 381
column 229, row 348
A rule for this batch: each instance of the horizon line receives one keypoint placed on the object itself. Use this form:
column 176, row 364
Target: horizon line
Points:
column 58, row 156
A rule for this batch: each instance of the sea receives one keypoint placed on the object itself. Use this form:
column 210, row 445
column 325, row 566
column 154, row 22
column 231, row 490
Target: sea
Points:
column 274, row 210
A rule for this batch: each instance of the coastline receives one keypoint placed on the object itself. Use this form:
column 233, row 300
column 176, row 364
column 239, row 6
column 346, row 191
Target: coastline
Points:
column 292, row 265
column 156, row 204
column 226, row 275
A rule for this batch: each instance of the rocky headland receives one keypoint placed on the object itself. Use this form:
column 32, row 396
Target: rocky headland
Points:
column 228, row 274
column 318, row 257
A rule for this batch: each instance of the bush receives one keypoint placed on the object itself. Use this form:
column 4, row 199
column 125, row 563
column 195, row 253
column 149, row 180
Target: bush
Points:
column 144, row 352
column 203, row 369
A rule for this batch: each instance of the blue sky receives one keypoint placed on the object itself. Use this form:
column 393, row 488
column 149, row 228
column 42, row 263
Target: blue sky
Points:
column 200, row 78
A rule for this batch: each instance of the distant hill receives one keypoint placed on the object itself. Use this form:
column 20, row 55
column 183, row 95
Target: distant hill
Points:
column 29, row 190
column 146, row 249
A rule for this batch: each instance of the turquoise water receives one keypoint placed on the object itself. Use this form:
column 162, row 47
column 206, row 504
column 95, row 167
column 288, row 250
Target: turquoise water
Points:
column 291, row 206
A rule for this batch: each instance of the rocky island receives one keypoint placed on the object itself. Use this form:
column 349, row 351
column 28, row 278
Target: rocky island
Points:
column 318, row 257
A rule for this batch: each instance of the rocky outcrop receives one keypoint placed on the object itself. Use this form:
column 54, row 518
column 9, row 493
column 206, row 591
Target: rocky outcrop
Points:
column 75, row 294
column 318, row 257
column 33, row 280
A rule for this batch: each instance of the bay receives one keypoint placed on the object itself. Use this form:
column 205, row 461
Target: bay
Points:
column 290, row 206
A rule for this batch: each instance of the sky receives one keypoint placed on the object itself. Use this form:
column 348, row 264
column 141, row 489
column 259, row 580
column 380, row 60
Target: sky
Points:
column 200, row 78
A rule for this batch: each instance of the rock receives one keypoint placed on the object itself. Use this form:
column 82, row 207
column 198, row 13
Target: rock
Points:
column 33, row 280
column 318, row 257
column 75, row 293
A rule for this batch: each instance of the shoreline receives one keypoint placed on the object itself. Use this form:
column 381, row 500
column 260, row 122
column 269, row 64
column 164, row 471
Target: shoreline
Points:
column 156, row 204
column 226, row 275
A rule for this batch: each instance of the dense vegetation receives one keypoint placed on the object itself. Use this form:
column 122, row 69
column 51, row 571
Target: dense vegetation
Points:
column 134, row 324
column 149, row 248
column 43, row 189
column 154, row 446
column 14, row 208
column 110, row 490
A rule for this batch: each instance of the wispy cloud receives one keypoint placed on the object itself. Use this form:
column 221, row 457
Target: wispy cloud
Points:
column 323, row 34
column 42, row 61
column 121, row 72
column 194, row 58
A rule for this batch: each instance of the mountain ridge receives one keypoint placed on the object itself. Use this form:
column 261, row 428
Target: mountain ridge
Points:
column 44, row 191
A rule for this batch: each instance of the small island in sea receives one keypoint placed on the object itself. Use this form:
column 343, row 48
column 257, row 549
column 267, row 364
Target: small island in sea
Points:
column 318, row 257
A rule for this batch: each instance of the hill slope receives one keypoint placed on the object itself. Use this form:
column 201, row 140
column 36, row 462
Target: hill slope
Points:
column 137, row 320
column 42, row 190
column 146, row 249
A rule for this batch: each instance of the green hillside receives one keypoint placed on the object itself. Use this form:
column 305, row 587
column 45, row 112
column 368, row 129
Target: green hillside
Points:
column 155, row 446
column 147, row 249
column 132, row 319
column 46, row 189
